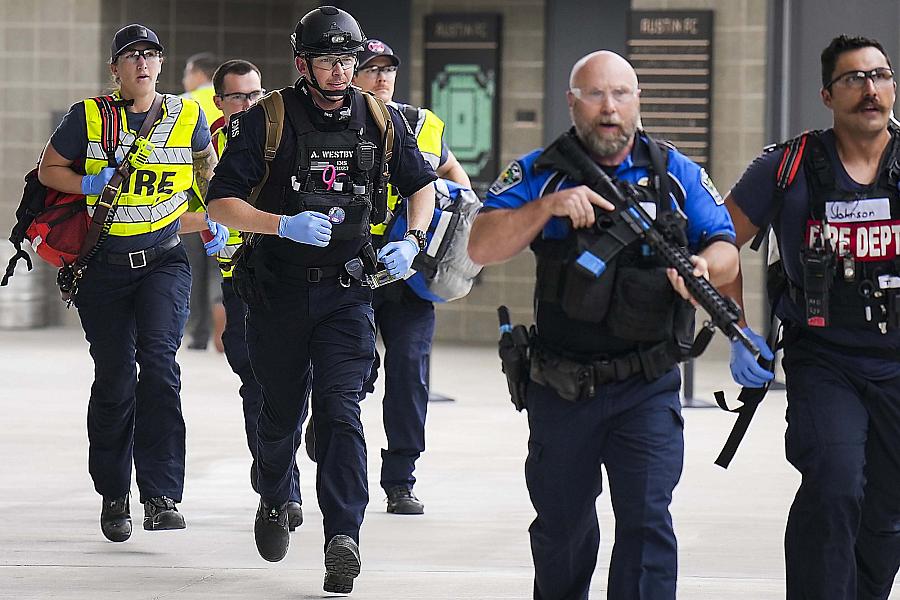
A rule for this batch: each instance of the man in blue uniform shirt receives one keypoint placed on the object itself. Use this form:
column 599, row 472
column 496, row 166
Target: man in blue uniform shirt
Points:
column 305, row 311
column 841, row 343
column 615, row 335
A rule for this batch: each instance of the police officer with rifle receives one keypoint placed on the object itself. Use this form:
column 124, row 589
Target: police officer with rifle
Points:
column 613, row 218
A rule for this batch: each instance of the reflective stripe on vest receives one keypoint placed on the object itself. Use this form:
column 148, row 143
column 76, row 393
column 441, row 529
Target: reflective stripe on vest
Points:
column 154, row 195
column 218, row 132
column 429, row 131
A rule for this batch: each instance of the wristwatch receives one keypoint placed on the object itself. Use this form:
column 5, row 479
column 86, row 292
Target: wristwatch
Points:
column 419, row 237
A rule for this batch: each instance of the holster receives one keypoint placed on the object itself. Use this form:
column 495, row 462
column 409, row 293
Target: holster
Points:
column 515, row 361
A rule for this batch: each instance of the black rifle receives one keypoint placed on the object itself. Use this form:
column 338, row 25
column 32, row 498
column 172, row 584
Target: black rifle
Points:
column 514, row 358
column 567, row 155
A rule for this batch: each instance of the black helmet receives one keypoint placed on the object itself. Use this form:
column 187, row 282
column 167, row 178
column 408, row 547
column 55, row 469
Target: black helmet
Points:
column 327, row 30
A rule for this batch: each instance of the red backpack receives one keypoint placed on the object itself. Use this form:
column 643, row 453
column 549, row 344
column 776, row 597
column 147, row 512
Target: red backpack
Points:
column 56, row 223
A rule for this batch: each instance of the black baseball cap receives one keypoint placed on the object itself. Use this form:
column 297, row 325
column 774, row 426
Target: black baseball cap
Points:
column 374, row 48
column 132, row 34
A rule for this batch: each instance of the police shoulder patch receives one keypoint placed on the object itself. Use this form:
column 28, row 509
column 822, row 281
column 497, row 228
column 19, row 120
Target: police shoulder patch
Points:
column 707, row 183
column 509, row 178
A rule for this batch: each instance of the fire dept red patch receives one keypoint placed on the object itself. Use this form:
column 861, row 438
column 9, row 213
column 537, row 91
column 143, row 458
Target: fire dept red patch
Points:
column 868, row 241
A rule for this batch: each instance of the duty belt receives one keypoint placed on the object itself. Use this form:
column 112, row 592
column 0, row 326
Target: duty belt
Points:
column 140, row 258
column 313, row 275
column 574, row 380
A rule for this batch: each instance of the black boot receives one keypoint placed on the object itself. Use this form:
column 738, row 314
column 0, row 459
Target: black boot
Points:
column 160, row 514
column 115, row 519
column 271, row 531
column 402, row 501
column 342, row 564
column 295, row 515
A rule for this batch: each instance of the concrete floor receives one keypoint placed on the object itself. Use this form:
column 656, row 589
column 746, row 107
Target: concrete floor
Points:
column 472, row 542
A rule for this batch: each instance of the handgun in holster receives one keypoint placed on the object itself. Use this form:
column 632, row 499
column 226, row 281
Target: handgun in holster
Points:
column 514, row 359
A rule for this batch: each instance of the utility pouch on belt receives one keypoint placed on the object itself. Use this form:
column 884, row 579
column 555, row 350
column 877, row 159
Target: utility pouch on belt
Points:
column 573, row 381
column 642, row 306
column 249, row 277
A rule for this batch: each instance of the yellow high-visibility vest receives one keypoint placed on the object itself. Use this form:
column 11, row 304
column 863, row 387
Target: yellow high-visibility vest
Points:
column 156, row 193
column 429, row 130
column 204, row 96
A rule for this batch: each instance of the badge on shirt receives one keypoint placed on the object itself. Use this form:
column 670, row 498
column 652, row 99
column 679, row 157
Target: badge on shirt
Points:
column 707, row 183
column 509, row 178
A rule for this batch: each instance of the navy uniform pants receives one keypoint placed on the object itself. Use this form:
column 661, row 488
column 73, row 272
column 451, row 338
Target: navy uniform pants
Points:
column 235, row 341
column 407, row 328
column 842, row 540
column 634, row 428
column 136, row 317
column 328, row 329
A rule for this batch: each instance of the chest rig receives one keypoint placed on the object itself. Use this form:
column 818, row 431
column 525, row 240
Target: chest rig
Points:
column 629, row 302
column 336, row 173
column 850, row 259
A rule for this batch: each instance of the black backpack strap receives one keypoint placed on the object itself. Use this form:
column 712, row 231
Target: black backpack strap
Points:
column 111, row 124
column 659, row 161
column 791, row 162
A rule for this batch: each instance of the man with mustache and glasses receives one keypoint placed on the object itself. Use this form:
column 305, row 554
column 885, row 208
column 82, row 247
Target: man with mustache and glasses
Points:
column 838, row 302
column 604, row 379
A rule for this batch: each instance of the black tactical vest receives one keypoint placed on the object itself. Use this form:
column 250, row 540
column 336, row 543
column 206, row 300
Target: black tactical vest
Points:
column 630, row 306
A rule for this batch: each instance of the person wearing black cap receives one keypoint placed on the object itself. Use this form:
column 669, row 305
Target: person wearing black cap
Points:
column 133, row 296
column 405, row 321
column 306, row 309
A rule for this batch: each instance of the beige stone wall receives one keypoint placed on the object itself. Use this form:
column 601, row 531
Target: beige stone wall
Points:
column 49, row 56
column 474, row 318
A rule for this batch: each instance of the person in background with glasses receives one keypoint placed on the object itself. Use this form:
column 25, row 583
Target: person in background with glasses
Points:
column 238, row 86
column 406, row 322
column 197, row 82
column 133, row 297
column 306, row 313
column 841, row 338
column 604, row 365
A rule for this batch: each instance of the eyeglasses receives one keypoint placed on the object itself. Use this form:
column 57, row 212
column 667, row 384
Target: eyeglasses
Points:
column 241, row 96
column 388, row 71
column 347, row 61
column 149, row 54
column 881, row 77
column 618, row 95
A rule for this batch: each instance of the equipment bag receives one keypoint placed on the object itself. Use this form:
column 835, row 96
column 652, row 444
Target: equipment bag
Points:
column 57, row 223
column 444, row 271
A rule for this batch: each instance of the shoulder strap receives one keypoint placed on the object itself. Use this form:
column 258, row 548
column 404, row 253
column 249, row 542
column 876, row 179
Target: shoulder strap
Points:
column 660, row 163
column 411, row 113
column 791, row 160
column 379, row 111
column 273, row 106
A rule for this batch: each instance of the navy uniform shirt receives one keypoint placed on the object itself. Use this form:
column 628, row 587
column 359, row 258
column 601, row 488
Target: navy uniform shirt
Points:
column 754, row 194
column 70, row 140
column 242, row 167
column 708, row 221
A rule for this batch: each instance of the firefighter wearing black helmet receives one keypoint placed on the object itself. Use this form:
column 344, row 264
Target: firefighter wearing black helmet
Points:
column 306, row 310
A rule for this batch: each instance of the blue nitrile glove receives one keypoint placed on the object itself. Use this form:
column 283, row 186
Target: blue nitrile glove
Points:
column 308, row 227
column 92, row 185
column 745, row 370
column 398, row 256
column 220, row 237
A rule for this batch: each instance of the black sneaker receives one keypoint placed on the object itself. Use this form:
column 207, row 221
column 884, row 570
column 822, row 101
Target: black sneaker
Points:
column 402, row 501
column 160, row 514
column 342, row 564
column 295, row 515
column 271, row 531
column 115, row 519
